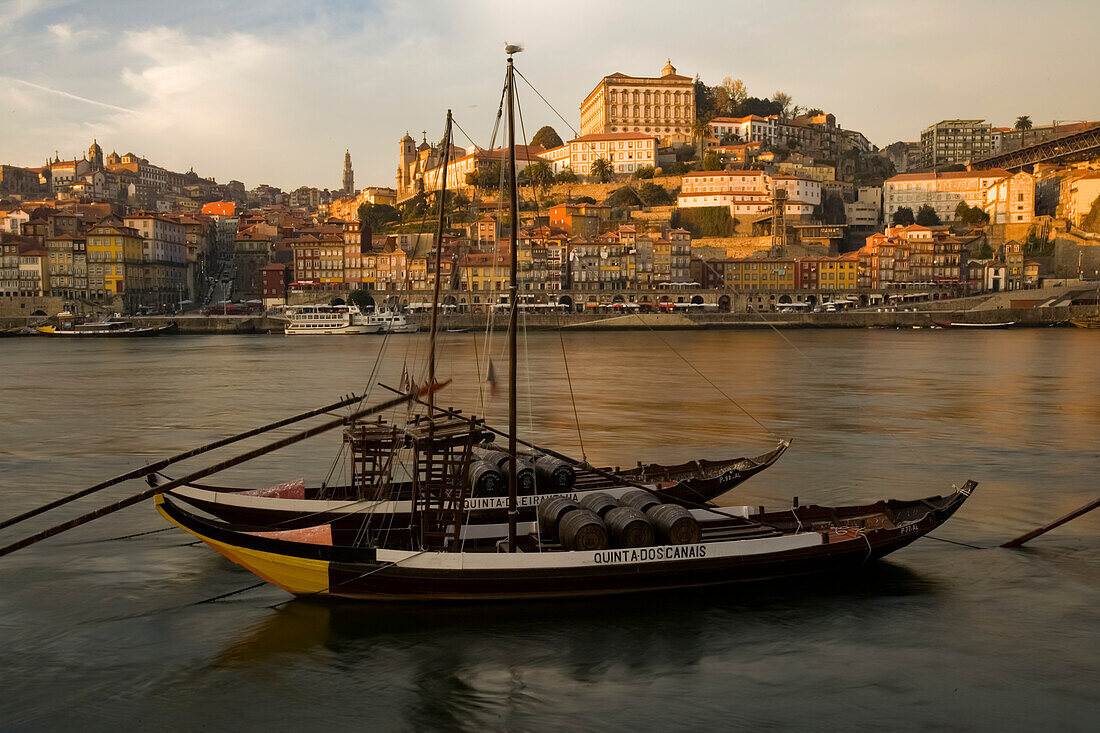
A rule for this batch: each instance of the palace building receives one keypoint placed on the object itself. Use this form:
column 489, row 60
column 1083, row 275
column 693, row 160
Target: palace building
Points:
column 663, row 107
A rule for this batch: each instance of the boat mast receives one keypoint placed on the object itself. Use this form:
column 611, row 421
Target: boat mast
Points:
column 438, row 258
column 513, row 294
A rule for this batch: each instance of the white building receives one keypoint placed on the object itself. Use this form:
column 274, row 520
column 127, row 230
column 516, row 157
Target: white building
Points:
column 751, row 128
column 626, row 151
column 747, row 192
column 942, row 191
column 1011, row 200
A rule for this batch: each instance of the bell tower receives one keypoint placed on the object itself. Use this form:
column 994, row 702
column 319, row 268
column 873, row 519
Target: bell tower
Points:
column 349, row 175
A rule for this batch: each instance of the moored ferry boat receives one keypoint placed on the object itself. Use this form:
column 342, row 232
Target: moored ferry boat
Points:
column 322, row 319
column 391, row 321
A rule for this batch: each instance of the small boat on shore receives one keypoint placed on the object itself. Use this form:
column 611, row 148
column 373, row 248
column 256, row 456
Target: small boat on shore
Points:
column 965, row 324
column 110, row 329
column 1090, row 322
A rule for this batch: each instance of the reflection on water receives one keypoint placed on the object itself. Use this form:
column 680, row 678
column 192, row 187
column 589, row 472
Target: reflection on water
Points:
column 100, row 632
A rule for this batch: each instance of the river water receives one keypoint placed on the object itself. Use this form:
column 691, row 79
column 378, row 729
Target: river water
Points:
column 99, row 633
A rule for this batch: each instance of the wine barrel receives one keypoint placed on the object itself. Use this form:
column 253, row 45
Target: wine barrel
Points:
column 554, row 476
column 640, row 500
column 486, row 480
column 550, row 511
column 582, row 529
column 598, row 502
column 525, row 472
column 629, row 527
column 674, row 524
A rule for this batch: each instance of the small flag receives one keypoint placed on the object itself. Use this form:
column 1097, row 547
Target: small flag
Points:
column 491, row 378
column 405, row 383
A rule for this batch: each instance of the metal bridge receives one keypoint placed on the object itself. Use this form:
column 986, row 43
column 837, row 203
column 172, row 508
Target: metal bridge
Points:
column 1068, row 148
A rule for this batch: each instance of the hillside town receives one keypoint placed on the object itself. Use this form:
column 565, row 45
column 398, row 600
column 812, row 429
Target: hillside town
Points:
column 672, row 194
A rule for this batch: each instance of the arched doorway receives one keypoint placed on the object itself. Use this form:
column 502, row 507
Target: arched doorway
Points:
column 724, row 303
column 697, row 300
column 337, row 301
column 864, row 301
column 784, row 300
column 811, row 299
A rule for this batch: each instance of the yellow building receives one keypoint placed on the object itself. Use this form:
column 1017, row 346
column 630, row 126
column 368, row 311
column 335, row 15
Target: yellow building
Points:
column 115, row 261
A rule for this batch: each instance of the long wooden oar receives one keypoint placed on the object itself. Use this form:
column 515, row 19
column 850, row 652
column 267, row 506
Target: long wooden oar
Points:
column 1056, row 523
column 154, row 467
column 290, row 440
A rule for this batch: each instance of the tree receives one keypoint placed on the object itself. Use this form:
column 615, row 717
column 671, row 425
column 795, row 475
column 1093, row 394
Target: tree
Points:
column 566, row 175
column 472, row 178
column 1023, row 122
column 971, row 215
column 711, row 161
column 832, row 210
column 625, row 196
column 903, row 217
column 540, row 173
column 547, row 138
column 651, row 194
column 700, row 130
column 787, row 107
column 645, row 171
column 729, row 95
column 377, row 216
column 927, row 216
column 986, row 252
column 361, row 298
column 488, row 176
column 815, row 111
column 704, row 98
column 602, row 170
column 757, row 106
column 585, row 200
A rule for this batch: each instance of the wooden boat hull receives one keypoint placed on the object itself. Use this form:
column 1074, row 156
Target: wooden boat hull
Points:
column 957, row 324
column 142, row 332
column 244, row 507
column 306, row 562
column 1086, row 322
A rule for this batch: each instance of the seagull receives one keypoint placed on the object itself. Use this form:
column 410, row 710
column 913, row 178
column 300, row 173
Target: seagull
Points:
column 511, row 48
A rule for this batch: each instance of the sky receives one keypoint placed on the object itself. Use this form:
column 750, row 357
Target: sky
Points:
column 274, row 92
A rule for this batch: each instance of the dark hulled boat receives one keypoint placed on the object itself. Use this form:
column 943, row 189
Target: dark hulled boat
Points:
column 327, row 560
column 293, row 504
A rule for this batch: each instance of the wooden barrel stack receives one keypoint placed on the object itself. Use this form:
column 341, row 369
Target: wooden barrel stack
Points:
column 637, row 519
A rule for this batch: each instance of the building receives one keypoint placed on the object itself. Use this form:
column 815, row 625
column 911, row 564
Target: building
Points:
column 663, row 106
column 626, row 151
column 1011, row 200
column 274, row 282
column 912, row 256
column 951, row 142
column 748, row 129
column 67, row 267
column 1079, row 190
column 349, row 175
column 945, row 191
column 116, row 267
column 164, row 256
column 747, row 192
column 24, row 182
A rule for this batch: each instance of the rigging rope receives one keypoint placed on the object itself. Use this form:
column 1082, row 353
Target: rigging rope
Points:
column 707, row 379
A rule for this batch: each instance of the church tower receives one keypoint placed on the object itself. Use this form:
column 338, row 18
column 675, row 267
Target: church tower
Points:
column 406, row 156
column 349, row 176
column 95, row 156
